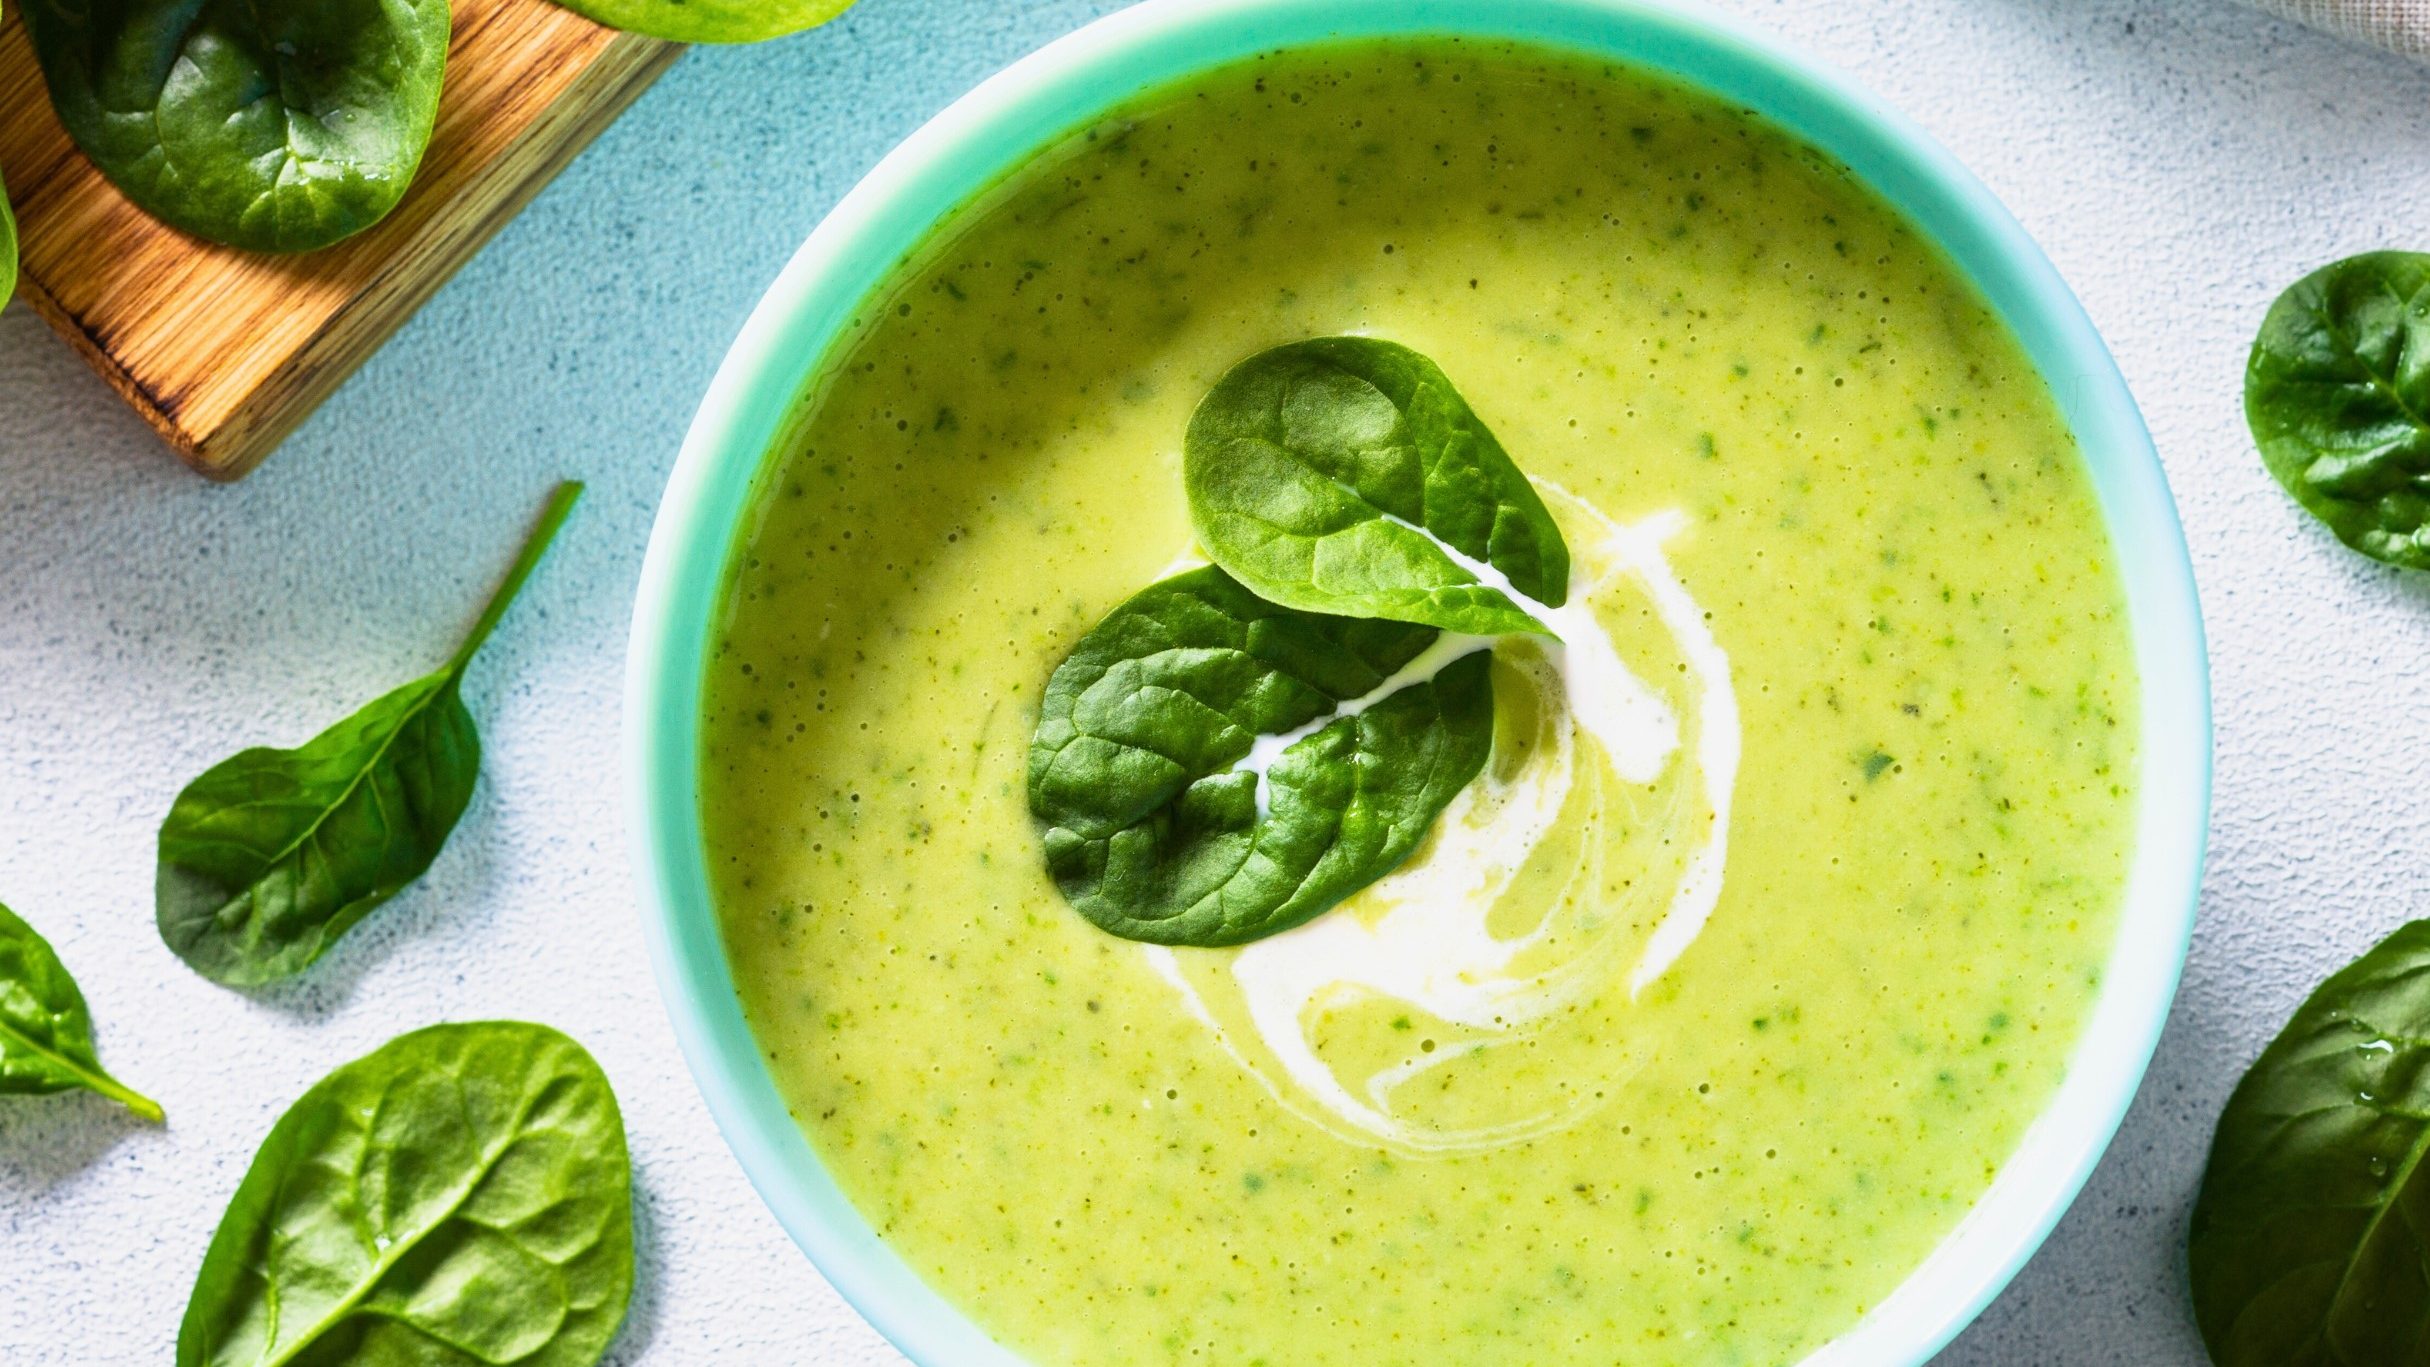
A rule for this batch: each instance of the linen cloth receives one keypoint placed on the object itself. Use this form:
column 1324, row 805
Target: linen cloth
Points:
column 2397, row 25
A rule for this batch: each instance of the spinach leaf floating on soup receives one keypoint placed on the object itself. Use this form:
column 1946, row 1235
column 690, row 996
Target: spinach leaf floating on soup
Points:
column 1237, row 749
column 1157, row 830
column 2337, row 392
column 275, row 125
column 1345, row 474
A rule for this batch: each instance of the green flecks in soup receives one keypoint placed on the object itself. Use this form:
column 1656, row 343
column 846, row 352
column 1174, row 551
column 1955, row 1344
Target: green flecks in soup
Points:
column 1679, row 322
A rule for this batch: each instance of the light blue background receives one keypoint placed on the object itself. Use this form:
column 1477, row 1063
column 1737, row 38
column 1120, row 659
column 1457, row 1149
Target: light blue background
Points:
column 2180, row 160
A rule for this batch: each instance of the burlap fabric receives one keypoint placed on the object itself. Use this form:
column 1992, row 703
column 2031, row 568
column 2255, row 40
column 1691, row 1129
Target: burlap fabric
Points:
column 2398, row 25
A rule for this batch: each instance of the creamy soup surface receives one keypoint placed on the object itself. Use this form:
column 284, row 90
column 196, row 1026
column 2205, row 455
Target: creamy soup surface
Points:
column 1695, row 1067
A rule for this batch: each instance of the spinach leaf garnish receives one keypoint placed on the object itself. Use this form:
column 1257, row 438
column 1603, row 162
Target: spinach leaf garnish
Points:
column 273, row 854
column 2337, row 392
column 272, row 125
column 1152, row 829
column 461, row 1195
column 8, row 249
column 46, row 1033
column 2312, row 1230
column 1322, row 474
column 710, row 21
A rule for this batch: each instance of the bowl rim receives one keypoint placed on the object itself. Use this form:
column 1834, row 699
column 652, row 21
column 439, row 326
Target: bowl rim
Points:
column 1054, row 89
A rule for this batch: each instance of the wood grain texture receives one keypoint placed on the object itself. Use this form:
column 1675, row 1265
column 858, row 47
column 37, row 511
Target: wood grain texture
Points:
column 224, row 351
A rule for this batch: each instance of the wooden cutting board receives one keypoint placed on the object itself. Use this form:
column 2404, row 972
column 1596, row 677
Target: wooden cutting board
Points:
column 223, row 351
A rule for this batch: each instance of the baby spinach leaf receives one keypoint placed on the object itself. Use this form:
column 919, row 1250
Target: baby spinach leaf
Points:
column 272, row 855
column 462, row 1195
column 1328, row 475
column 2337, row 392
column 46, row 1034
column 8, row 249
column 2311, row 1235
column 710, row 21
column 1152, row 829
column 273, row 125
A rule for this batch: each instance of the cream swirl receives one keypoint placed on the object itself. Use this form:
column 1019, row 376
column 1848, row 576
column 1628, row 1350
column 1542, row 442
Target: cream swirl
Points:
column 1506, row 918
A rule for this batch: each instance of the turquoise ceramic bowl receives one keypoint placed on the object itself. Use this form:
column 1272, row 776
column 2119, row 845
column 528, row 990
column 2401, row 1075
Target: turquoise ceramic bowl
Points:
column 1069, row 82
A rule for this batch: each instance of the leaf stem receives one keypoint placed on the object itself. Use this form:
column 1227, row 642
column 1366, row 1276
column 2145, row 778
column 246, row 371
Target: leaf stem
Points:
column 128, row 1097
column 560, row 506
column 92, row 1079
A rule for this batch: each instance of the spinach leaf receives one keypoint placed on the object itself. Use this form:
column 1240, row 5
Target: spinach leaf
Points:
column 8, row 249
column 272, row 125
column 710, row 21
column 2311, row 1235
column 1324, row 473
column 46, row 1034
column 462, row 1195
column 1152, row 829
column 2337, row 392
column 272, row 855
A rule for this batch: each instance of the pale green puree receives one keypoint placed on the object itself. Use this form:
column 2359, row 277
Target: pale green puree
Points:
column 1659, row 304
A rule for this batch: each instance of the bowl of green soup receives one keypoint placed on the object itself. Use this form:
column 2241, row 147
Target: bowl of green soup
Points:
column 1394, row 681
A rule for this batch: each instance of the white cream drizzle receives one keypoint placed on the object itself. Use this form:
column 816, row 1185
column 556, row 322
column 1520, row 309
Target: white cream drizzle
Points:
column 1447, row 648
column 1422, row 936
column 1633, row 726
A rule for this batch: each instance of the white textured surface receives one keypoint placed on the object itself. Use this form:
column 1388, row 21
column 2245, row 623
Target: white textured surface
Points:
column 2181, row 160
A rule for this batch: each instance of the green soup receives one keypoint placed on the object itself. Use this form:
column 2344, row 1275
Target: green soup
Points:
column 1696, row 1067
